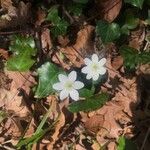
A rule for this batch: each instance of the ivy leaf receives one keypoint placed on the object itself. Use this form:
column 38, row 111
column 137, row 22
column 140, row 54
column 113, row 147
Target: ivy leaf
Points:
column 76, row 8
column 23, row 49
column 130, row 56
column 60, row 28
column 53, row 15
column 125, row 144
column 144, row 57
column 108, row 31
column 59, row 25
column 20, row 63
column 136, row 3
column 131, row 21
column 90, row 104
column 48, row 75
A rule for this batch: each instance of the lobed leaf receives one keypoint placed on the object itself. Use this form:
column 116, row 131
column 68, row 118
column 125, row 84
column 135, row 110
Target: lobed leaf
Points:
column 23, row 48
column 48, row 75
column 90, row 104
column 108, row 31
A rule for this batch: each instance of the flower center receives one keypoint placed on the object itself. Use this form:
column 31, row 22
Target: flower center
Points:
column 95, row 67
column 68, row 85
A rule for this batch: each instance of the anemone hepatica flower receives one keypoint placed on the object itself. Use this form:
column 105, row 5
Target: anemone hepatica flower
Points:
column 94, row 67
column 68, row 86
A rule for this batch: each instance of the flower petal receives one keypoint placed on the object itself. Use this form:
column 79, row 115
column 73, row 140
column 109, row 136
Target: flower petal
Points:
column 102, row 71
column 95, row 77
column 78, row 85
column 94, row 58
column 74, row 95
column 87, row 61
column 102, row 62
column 64, row 94
column 89, row 76
column 85, row 70
column 58, row 86
column 62, row 78
column 72, row 76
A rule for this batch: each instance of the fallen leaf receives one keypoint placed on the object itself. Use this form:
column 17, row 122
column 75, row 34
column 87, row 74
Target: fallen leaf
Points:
column 77, row 52
column 117, row 62
column 4, row 53
column 16, row 15
column 137, row 37
column 108, row 9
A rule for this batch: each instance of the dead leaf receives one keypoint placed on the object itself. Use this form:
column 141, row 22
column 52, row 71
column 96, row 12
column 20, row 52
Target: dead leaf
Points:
column 4, row 53
column 117, row 62
column 46, row 41
column 137, row 37
column 15, row 16
column 41, row 14
column 94, row 123
column 108, row 9
column 77, row 52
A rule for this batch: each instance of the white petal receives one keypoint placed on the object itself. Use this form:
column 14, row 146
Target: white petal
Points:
column 95, row 77
column 58, row 86
column 89, row 76
column 72, row 76
column 102, row 70
column 87, row 61
column 64, row 94
column 78, row 85
column 85, row 70
column 102, row 62
column 94, row 58
column 62, row 78
column 74, row 95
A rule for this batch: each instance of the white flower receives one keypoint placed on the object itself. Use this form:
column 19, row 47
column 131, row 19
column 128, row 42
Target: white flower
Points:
column 94, row 67
column 68, row 86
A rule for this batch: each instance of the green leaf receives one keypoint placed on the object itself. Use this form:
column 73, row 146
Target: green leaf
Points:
column 60, row 28
column 86, row 92
column 53, row 15
column 130, row 56
column 81, row 1
column 76, row 8
column 136, row 3
column 131, row 21
column 23, row 49
column 48, row 75
column 144, row 57
column 20, row 63
column 90, row 104
column 125, row 144
column 108, row 31
column 59, row 25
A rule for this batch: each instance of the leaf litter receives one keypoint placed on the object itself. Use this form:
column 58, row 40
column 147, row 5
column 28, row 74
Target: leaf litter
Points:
column 94, row 129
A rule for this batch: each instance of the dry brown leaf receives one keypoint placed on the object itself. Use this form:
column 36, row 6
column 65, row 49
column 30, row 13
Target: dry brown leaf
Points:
column 4, row 53
column 117, row 62
column 11, row 99
column 137, row 38
column 41, row 14
column 15, row 16
column 108, row 9
column 46, row 42
column 75, row 53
